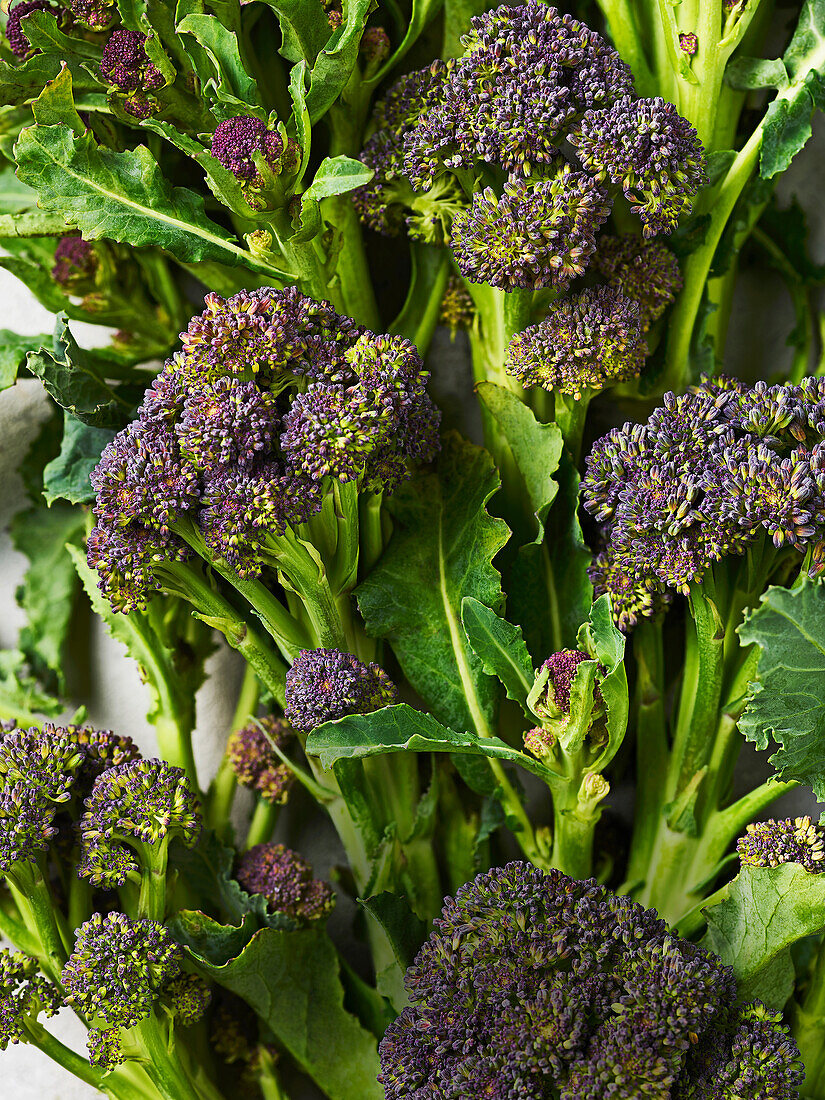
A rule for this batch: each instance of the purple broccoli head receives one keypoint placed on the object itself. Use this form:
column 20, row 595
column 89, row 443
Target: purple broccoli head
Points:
column 285, row 879
column 326, row 684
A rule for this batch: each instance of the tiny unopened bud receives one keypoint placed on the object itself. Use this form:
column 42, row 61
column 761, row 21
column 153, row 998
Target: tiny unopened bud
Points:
column 541, row 743
column 593, row 788
column 689, row 44
column 260, row 242
column 375, row 46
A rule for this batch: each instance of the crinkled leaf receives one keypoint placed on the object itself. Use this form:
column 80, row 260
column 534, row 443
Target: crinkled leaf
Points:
column 44, row 34
column 787, row 124
column 55, row 104
column 402, row 728
column 122, row 196
column 300, row 114
column 787, row 703
column 50, row 585
column 222, row 46
column 21, row 697
column 441, row 551
column 67, row 476
column 334, row 64
column 335, row 176
column 600, row 637
column 23, row 81
column 292, row 981
column 67, row 375
column 500, row 647
column 13, row 351
column 764, row 912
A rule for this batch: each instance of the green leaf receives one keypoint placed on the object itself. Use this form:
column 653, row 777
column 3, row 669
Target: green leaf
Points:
column 600, row 638
column 405, row 933
column 67, row 375
column 335, row 176
column 441, row 551
column 21, row 697
column 55, row 104
column 423, row 11
column 222, row 46
column 15, row 197
column 402, row 728
column 749, row 73
column 787, row 123
column 787, row 703
column 43, row 34
column 50, row 586
column 764, row 912
column 304, row 26
column 500, row 647
column 13, row 351
column 335, row 63
column 300, row 114
column 67, row 476
column 292, row 981
column 24, row 80
column 122, row 196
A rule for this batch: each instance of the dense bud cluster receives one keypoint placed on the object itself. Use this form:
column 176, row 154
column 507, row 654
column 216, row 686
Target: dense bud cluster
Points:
column 285, row 879
column 141, row 803
column 644, row 270
column 325, row 684
column 125, row 66
column 707, row 475
column 15, row 35
column 587, row 341
column 238, row 140
column 74, row 261
column 255, row 763
column 114, row 974
column 796, row 840
column 530, row 82
column 271, row 394
column 536, row 985
column 24, row 994
column 457, row 310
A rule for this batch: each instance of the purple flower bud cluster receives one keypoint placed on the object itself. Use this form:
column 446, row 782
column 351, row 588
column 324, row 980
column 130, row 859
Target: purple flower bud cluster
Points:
column 15, row 36
column 256, row 764
column 796, row 840
column 325, row 684
column 586, row 342
column 114, row 974
column 644, row 270
column 95, row 14
column 534, row 984
column 74, row 261
column 457, row 310
column 530, row 83
column 561, row 669
column 188, row 997
column 285, row 879
column 24, row 994
column 236, row 142
column 270, row 394
column 125, row 66
column 710, row 473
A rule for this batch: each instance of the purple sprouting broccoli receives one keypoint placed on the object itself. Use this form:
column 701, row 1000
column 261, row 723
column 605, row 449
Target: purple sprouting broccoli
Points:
column 114, row 975
column 74, row 261
column 708, row 475
column 285, row 879
column 689, row 44
column 255, row 763
column 645, row 147
column 561, row 672
column 566, row 717
column 270, row 395
column 187, row 997
column 457, row 310
column 131, row 816
column 25, row 994
column 237, row 140
column 98, row 15
column 534, row 984
column 537, row 234
column 529, row 81
column 586, row 342
column 125, row 65
column 326, row 684
column 374, row 48
column 796, row 840
column 15, row 35
column 644, row 270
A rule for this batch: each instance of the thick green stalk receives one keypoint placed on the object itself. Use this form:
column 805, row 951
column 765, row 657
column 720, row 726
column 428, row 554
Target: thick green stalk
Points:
column 623, row 28
column 64, row 1056
column 570, row 416
column 422, row 308
column 808, row 1026
column 221, row 795
column 163, row 1067
column 152, row 898
column 41, row 916
column 264, row 819
column 574, row 825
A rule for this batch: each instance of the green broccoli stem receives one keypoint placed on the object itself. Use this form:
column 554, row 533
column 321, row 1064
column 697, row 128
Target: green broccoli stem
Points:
column 64, row 1056
column 624, row 30
column 41, row 916
column 262, row 824
column 574, row 826
column 221, row 793
column 154, row 859
column 164, row 1064
column 430, row 270
column 807, row 1020
column 570, row 416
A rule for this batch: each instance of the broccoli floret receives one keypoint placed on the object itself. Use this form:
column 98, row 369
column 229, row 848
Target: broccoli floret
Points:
column 709, row 474
column 689, row 44
column 237, row 140
column 143, row 805
column 325, row 684
column 125, row 64
column 587, row 341
column 644, row 270
column 457, row 309
column 270, row 395
column 254, row 762
column 529, row 81
column 95, row 14
column 187, row 997
column 536, row 985
column 285, row 879
column 15, row 36
column 114, row 975
column 24, row 994
column 74, row 261
column 796, row 840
